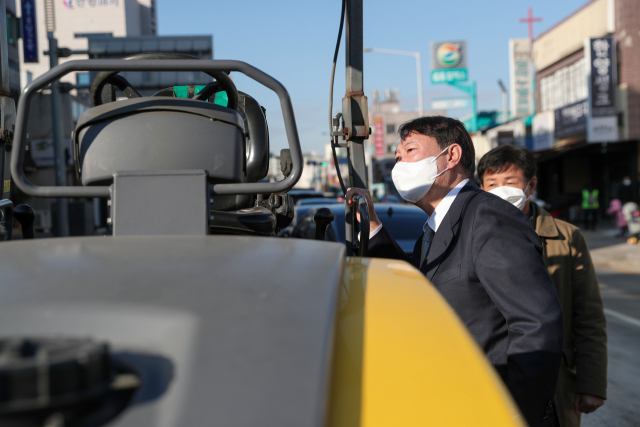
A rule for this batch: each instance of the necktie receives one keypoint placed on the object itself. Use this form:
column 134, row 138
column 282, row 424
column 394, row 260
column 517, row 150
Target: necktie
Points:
column 427, row 238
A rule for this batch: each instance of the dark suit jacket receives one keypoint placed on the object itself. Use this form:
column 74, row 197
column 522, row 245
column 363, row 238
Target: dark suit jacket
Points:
column 486, row 261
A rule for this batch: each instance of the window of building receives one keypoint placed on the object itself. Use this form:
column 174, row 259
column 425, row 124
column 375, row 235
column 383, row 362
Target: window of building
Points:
column 93, row 35
column 77, row 109
column 564, row 87
column 83, row 79
column 391, row 129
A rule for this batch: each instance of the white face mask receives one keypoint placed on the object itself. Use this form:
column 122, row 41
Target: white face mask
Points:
column 513, row 195
column 414, row 180
column 626, row 182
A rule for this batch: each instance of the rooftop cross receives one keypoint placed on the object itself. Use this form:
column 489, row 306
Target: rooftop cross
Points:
column 530, row 20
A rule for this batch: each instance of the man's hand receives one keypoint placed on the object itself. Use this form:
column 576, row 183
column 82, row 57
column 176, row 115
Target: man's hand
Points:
column 587, row 403
column 373, row 218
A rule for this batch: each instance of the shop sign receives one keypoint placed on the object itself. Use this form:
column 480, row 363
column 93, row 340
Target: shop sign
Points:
column 542, row 128
column 602, row 78
column 449, row 61
column 521, row 75
column 602, row 124
column 70, row 4
column 506, row 138
column 571, row 119
column 43, row 154
column 379, row 136
column 29, row 31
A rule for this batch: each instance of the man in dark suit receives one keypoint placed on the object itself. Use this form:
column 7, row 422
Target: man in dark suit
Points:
column 484, row 257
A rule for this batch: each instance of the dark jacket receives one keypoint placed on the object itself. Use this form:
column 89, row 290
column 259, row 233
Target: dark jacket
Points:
column 584, row 366
column 486, row 260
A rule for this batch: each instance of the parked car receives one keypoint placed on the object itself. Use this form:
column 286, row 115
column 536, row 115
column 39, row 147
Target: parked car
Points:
column 318, row 201
column 404, row 222
column 390, row 198
column 297, row 194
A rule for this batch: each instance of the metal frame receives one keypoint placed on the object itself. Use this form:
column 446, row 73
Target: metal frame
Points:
column 22, row 121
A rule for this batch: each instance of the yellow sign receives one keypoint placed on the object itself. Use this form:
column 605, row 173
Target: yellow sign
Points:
column 7, row 186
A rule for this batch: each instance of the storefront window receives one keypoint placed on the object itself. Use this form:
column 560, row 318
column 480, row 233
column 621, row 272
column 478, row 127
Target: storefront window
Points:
column 564, row 87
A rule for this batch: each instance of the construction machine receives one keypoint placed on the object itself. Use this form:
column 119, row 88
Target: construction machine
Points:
column 192, row 313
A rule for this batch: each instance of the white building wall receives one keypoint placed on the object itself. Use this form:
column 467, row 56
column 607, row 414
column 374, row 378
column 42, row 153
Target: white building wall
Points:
column 118, row 17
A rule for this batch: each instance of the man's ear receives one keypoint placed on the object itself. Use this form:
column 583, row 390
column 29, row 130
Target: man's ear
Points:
column 533, row 184
column 455, row 156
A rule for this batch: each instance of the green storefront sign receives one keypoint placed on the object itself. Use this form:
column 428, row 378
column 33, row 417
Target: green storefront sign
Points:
column 449, row 75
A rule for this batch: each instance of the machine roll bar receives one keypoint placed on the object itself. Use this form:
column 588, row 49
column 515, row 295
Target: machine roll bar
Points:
column 206, row 65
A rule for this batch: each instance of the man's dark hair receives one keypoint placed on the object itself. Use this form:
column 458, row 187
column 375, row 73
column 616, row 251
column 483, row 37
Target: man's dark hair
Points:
column 446, row 131
column 503, row 157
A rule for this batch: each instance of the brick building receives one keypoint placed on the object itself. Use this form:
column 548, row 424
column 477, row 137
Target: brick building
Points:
column 574, row 154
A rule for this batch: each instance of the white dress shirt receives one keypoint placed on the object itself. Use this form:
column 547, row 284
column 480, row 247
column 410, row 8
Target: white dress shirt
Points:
column 435, row 219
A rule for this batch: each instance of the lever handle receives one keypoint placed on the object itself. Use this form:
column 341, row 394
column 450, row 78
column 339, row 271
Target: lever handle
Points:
column 322, row 218
column 25, row 215
column 363, row 209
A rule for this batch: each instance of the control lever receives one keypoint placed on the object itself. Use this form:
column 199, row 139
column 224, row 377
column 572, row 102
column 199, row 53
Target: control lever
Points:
column 322, row 218
column 6, row 219
column 25, row 215
column 365, row 224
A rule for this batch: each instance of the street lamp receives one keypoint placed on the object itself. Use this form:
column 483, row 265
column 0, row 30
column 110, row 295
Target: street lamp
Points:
column 418, row 68
column 505, row 101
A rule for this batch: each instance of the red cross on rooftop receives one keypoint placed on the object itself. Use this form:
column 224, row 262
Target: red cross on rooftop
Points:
column 530, row 20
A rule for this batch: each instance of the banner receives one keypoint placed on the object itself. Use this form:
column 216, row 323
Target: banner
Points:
column 602, row 125
column 602, row 81
column 521, row 76
column 29, row 31
column 379, row 136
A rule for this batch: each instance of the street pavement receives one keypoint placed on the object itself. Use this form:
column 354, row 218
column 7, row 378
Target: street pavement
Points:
column 618, row 270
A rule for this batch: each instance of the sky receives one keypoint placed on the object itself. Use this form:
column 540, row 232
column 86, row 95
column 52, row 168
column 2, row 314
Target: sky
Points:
column 294, row 42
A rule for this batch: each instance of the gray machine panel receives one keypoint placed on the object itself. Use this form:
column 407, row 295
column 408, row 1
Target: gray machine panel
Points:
column 237, row 334
column 160, row 203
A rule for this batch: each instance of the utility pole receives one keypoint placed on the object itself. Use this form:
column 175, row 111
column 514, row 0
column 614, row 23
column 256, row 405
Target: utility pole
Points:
column 57, row 124
column 7, row 107
column 355, row 111
column 354, row 104
column 505, row 102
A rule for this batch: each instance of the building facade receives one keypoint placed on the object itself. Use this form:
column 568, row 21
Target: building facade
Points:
column 586, row 130
column 75, row 21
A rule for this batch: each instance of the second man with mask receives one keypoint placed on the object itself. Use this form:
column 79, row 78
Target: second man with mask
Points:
column 509, row 172
column 483, row 256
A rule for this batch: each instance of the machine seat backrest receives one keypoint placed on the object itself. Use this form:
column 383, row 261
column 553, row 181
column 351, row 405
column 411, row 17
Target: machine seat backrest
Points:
column 159, row 133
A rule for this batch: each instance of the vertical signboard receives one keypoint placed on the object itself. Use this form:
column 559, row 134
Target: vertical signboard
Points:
column 449, row 61
column 379, row 136
column 601, row 60
column 521, row 75
column 29, row 31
